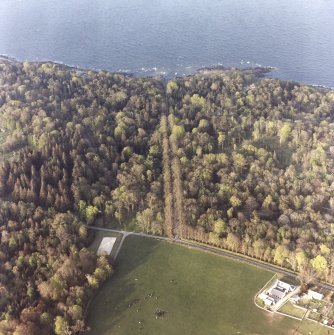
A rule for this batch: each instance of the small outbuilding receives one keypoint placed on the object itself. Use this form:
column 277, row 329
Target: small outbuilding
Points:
column 269, row 302
column 263, row 296
column 106, row 246
column 315, row 295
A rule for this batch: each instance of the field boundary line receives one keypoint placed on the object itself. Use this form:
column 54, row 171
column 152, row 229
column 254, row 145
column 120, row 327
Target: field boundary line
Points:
column 300, row 307
column 290, row 316
column 263, row 287
column 246, row 257
column 280, row 269
column 220, row 251
column 260, row 291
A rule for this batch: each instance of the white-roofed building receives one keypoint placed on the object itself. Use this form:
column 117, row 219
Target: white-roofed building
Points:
column 269, row 301
column 315, row 295
column 276, row 292
column 285, row 286
column 106, row 246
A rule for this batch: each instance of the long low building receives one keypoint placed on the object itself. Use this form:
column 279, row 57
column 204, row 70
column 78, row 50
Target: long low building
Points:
column 106, row 246
column 315, row 295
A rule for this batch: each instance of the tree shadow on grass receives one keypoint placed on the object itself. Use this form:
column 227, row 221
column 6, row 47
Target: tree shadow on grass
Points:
column 116, row 297
column 134, row 252
column 108, row 308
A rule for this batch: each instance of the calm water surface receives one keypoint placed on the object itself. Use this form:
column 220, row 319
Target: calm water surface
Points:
column 174, row 36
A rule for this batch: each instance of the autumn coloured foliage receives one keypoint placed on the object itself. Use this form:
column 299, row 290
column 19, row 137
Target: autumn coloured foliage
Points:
column 222, row 157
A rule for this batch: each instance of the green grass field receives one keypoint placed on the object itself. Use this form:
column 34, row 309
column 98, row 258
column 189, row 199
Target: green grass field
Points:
column 201, row 294
column 289, row 308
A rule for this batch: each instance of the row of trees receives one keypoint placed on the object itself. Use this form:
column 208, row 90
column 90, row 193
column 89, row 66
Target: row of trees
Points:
column 167, row 177
column 257, row 164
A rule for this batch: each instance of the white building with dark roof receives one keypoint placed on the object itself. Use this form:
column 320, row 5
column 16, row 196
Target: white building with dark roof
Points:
column 276, row 292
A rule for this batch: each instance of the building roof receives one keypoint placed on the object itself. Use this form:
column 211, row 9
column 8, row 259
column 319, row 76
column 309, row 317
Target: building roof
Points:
column 263, row 296
column 285, row 285
column 106, row 246
column 275, row 292
column 268, row 301
column 315, row 295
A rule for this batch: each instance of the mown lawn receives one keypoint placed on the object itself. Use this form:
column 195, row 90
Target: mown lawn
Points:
column 289, row 308
column 200, row 293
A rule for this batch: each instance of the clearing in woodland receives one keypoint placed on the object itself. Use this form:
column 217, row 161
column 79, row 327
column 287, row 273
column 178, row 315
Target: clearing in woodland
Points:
column 166, row 289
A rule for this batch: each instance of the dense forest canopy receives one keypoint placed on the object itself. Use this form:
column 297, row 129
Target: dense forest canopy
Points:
column 74, row 145
column 257, row 167
column 223, row 157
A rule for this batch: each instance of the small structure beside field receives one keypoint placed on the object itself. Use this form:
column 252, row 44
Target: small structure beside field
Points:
column 106, row 246
column 276, row 292
column 284, row 296
column 315, row 295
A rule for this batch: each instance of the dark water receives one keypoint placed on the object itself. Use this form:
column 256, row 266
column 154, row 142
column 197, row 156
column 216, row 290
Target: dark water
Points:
column 174, row 36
